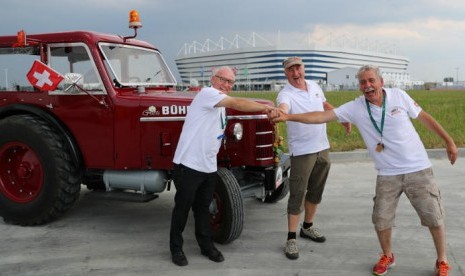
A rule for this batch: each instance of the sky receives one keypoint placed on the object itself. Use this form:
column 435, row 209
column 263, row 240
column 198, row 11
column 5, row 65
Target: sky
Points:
column 430, row 33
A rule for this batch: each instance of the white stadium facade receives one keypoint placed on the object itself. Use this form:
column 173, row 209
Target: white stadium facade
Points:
column 259, row 65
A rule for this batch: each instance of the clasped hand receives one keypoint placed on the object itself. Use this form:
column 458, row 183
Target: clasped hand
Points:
column 276, row 115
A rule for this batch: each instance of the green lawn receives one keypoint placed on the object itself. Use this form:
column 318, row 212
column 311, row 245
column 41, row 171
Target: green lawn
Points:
column 447, row 107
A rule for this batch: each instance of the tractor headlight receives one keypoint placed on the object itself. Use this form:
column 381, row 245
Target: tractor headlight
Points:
column 238, row 131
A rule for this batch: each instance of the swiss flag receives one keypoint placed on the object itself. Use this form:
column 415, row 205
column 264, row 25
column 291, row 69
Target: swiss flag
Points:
column 43, row 77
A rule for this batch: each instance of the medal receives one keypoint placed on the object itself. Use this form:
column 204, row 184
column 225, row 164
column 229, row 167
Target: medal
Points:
column 379, row 147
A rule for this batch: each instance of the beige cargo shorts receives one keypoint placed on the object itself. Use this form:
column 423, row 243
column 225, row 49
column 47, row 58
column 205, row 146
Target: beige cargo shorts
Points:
column 422, row 192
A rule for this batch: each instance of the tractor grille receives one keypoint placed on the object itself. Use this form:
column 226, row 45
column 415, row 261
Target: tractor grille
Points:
column 264, row 140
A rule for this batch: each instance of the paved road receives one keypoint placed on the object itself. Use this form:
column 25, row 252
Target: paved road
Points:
column 106, row 237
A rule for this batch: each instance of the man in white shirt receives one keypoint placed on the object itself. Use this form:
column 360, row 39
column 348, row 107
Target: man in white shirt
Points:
column 309, row 150
column 195, row 171
column 383, row 117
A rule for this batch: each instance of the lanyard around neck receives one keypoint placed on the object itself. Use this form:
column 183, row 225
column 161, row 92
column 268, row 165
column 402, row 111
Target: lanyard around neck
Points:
column 223, row 122
column 379, row 129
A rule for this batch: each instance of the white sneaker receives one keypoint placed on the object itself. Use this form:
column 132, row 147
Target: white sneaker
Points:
column 291, row 250
column 312, row 233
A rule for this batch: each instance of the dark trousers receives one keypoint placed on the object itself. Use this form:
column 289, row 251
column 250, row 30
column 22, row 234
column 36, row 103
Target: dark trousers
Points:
column 194, row 190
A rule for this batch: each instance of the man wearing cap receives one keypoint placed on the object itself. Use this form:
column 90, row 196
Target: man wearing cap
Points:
column 384, row 118
column 309, row 150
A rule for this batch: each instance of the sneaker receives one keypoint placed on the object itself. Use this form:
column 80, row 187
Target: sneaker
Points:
column 441, row 269
column 312, row 233
column 383, row 265
column 179, row 258
column 291, row 250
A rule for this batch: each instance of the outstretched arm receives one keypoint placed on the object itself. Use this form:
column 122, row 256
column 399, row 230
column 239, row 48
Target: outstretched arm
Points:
column 316, row 117
column 245, row 105
column 428, row 121
column 347, row 126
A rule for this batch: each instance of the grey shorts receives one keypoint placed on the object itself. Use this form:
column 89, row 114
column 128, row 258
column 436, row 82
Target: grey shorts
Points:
column 419, row 187
column 307, row 180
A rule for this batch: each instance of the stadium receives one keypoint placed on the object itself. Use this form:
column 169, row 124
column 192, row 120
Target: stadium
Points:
column 258, row 63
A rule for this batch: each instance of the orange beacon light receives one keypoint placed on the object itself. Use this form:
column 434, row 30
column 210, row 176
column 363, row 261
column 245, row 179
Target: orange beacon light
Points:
column 134, row 20
column 21, row 39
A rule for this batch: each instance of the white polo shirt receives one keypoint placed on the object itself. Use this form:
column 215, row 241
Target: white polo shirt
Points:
column 304, row 138
column 404, row 151
column 202, row 132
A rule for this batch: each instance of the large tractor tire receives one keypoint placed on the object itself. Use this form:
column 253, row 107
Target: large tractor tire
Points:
column 38, row 180
column 227, row 208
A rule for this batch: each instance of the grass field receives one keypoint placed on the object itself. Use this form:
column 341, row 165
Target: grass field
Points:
column 447, row 107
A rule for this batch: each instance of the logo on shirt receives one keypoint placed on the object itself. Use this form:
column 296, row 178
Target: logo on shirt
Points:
column 395, row 111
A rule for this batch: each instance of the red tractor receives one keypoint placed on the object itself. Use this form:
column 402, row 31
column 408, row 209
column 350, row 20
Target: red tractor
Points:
column 103, row 111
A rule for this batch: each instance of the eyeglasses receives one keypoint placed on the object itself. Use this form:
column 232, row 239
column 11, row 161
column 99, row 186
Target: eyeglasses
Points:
column 231, row 82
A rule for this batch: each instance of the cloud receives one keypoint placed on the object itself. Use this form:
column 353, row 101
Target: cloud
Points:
column 428, row 32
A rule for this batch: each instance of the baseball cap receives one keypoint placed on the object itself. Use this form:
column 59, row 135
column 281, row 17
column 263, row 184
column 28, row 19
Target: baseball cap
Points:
column 290, row 61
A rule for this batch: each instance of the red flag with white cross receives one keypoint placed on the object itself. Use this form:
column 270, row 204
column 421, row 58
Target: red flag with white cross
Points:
column 43, row 77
